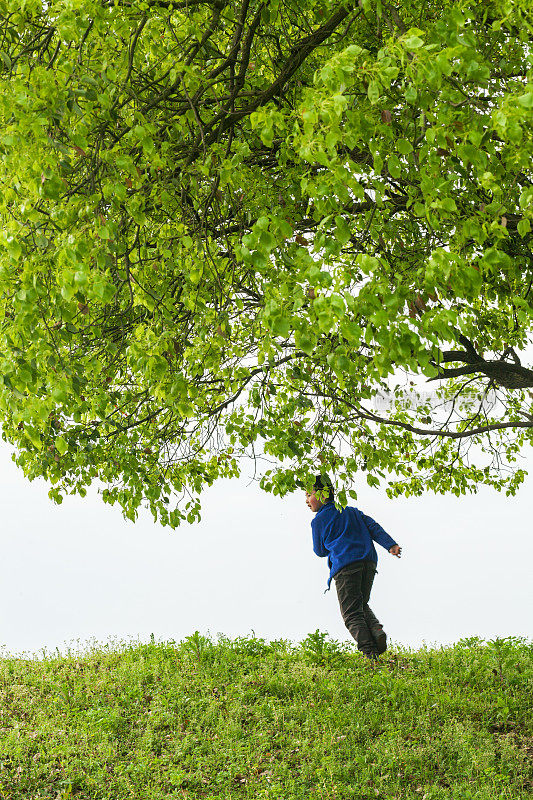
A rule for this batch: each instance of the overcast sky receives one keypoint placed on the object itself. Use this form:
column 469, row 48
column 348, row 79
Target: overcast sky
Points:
column 79, row 572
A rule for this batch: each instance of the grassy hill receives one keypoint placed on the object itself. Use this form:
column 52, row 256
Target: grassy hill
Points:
column 249, row 719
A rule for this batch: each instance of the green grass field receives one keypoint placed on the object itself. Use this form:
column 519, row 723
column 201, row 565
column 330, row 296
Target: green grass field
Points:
column 246, row 718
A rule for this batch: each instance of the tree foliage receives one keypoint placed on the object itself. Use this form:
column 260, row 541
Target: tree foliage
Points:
column 242, row 229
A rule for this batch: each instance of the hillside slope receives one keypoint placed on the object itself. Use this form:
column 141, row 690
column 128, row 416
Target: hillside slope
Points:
column 249, row 719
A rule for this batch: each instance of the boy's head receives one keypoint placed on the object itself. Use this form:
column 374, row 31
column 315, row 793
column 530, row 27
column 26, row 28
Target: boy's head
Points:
column 324, row 487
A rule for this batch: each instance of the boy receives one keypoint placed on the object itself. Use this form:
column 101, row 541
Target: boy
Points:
column 345, row 537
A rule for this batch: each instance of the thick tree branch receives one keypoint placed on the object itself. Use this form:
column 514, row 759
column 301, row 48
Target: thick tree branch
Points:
column 299, row 52
column 511, row 376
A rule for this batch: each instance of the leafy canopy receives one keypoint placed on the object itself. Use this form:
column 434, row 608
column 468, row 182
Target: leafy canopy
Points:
column 252, row 230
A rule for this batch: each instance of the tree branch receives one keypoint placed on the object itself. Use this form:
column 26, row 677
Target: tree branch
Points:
column 299, row 52
column 365, row 414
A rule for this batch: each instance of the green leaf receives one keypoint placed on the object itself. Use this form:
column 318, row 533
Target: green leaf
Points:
column 523, row 227
column 342, row 232
column 267, row 241
column 394, row 166
column 373, row 92
column 526, row 100
column 285, row 229
column 404, row 147
column 448, row 204
column 61, row 445
column 305, row 343
column 103, row 289
column 258, row 259
column 281, row 326
column 367, row 264
column 412, row 42
column 410, row 95
column 14, row 249
column 267, row 134
column 81, row 277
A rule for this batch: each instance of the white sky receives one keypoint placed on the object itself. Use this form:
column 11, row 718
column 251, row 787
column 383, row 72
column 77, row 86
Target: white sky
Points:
column 79, row 572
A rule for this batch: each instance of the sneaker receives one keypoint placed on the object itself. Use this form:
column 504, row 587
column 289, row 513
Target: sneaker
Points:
column 380, row 638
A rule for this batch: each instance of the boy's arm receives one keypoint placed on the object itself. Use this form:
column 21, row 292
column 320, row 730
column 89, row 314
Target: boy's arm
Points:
column 318, row 547
column 378, row 534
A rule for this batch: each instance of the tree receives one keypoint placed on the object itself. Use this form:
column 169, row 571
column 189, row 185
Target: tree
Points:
column 229, row 228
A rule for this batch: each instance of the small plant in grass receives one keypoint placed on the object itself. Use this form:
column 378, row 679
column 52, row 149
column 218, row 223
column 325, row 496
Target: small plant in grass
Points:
column 197, row 645
column 318, row 648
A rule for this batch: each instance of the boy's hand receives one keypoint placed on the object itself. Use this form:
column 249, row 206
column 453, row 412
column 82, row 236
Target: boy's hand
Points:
column 396, row 550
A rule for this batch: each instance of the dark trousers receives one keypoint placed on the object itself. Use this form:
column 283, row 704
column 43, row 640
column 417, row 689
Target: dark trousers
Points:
column 354, row 584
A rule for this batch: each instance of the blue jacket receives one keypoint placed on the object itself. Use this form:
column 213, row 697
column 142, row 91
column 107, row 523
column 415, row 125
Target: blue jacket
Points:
column 346, row 536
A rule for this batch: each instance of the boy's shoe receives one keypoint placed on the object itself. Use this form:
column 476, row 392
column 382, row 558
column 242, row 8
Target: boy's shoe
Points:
column 380, row 638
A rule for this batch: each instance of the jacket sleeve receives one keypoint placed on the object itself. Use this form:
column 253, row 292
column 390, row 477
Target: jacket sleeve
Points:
column 377, row 533
column 318, row 546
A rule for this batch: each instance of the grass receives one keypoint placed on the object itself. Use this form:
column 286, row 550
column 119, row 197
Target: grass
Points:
column 246, row 718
